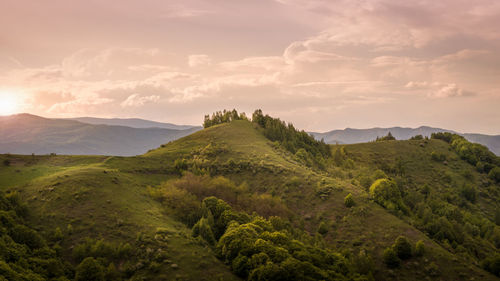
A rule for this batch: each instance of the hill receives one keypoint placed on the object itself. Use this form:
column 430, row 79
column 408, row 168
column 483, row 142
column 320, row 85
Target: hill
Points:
column 26, row 134
column 279, row 207
column 132, row 122
column 349, row 136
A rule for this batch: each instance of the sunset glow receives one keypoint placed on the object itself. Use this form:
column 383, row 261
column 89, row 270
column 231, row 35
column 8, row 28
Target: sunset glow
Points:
column 8, row 104
column 319, row 64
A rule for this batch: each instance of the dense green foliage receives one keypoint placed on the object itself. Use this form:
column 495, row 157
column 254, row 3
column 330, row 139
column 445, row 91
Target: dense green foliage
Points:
column 24, row 253
column 224, row 116
column 304, row 146
column 266, row 213
column 444, row 204
column 255, row 247
column 474, row 153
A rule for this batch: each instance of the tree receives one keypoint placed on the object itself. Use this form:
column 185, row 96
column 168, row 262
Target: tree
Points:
column 349, row 201
column 386, row 138
column 202, row 229
column 390, row 258
column 386, row 193
column 89, row 270
column 402, row 248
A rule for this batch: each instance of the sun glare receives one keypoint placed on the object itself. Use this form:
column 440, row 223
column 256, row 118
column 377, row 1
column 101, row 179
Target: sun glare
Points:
column 8, row 104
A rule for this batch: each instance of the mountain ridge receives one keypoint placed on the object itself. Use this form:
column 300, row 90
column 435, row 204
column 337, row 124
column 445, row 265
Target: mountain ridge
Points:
column 27, row 134
column 352, row 135
column 132, row 122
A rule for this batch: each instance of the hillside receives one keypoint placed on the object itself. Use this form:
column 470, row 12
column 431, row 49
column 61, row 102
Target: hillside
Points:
column 26, row 134
column 302, row 198
column 131, row 122
column 350, row 136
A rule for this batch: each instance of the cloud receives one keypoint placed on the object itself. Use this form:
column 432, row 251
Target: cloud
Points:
column 135, row 100
column 92, row 63
column 199, row 60
column 450, row 91
column 79, row 105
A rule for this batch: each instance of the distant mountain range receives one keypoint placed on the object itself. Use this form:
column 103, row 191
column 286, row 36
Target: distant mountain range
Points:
column 348, row 136
column 131, row 122
column 26, row 134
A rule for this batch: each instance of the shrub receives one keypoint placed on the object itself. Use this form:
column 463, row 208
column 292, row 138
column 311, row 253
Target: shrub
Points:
column 89, row 270
column 390, row 258
column 323, row 228
column 492, row 264
column 349, row 201
column 24, row 235
column 202, row 229
column 469, row 193
column 386, row 193
column 419, row 248
column 402, row 248
column 438, row 156
column 494, row 174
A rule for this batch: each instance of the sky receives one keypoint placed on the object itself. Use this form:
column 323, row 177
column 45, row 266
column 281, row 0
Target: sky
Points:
column 320, row 64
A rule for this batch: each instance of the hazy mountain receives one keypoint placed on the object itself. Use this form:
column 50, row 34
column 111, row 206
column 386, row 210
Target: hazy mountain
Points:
column 131, row 122
column 348, row 136
column 26, row 134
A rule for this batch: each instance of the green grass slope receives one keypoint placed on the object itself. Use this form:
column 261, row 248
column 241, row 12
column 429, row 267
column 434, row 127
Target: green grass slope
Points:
column 107, row 197
column 94, row 201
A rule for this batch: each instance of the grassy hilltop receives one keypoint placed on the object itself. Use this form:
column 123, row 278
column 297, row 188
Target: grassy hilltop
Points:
column 255, row 200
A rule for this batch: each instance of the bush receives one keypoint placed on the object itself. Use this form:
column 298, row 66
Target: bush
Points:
column 386, row 193
column 323, row 228
column 402, row 248
column 349, row 201
column 419, row 248
column 89, row 270
column 24, row 235
column 439, row 157
column 390, row 258
column 202, row 229
column 469, row 193
column 492, row 264
column 494, row 174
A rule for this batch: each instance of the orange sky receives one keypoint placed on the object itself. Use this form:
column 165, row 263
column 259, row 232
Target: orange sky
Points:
column 321, row 64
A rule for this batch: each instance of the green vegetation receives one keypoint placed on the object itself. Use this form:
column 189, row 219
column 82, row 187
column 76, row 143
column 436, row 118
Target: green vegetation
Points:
column 24, row 253
column 349, row 201
column 305, row 147
column 224, row 116
column 254, row 200
column 389, row 137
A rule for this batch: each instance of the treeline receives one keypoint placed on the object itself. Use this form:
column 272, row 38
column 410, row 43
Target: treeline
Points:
column 254, row 247
column 224, row 116
column 476, row 154
column 300, row 143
